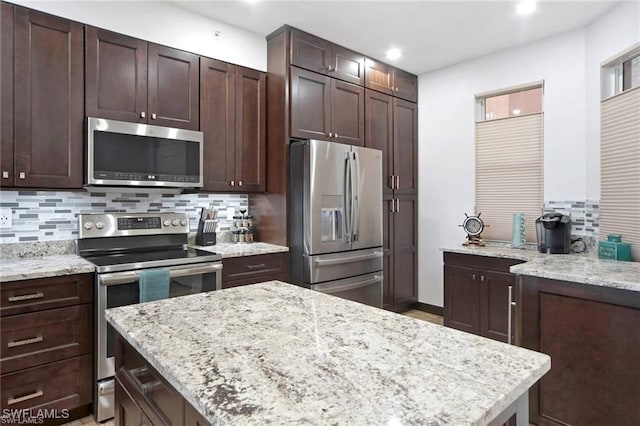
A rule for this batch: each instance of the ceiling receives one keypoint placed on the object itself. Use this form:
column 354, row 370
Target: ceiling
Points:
column 431, row 34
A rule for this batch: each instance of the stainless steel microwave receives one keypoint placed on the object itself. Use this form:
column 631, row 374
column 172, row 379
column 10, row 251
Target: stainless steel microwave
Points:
column 138, row 155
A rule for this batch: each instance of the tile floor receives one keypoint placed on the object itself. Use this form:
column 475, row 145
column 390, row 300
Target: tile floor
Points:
column 414, row 313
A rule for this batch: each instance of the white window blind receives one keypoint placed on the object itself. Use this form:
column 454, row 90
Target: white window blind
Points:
column 620, row 168
column 509, row 167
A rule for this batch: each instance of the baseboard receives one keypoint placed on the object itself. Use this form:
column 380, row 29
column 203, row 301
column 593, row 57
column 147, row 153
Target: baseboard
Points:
column 432, row 309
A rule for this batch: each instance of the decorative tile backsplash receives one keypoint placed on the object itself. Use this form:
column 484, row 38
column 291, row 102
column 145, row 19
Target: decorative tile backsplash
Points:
column 585, row 215
column 47, row 216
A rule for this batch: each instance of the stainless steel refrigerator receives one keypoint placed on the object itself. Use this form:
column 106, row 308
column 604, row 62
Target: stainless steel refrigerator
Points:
column 336, row 219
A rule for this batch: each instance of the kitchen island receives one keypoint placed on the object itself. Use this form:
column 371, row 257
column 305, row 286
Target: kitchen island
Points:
column 278, row 353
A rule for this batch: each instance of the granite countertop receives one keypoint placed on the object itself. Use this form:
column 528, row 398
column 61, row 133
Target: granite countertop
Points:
column 240, row 249
column 566, row 267
column 281, row 354
column 26, row 268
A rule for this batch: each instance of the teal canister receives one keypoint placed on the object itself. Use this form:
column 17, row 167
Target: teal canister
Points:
column 517, row 232
column 614, row 248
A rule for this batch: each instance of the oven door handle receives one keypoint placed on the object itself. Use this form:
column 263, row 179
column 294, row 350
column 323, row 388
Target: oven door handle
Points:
column 116, row 278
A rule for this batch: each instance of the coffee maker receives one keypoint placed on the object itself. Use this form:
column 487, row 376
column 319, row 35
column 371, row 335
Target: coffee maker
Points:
column 554, row 233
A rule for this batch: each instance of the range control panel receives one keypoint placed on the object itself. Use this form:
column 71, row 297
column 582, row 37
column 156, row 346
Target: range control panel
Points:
column 132, row 224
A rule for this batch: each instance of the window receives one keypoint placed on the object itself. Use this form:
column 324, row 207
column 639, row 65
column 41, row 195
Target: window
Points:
column 509, row 160
column 621, row 73
column 620, row 155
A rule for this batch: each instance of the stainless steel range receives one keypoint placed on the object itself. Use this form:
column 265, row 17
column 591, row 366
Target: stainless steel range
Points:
column 123, row 245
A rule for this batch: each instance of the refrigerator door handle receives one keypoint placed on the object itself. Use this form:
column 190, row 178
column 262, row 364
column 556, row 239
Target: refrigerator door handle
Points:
column 355, row 191
column 347, row 198
column 348, row 259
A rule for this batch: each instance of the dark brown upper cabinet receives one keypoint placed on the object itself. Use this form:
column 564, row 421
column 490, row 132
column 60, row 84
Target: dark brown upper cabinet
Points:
column 43, row 92
column 325, row 108
column 131, row 80
column 392, row 127
column 392, row 81
column 321, row 56
column 233, row 117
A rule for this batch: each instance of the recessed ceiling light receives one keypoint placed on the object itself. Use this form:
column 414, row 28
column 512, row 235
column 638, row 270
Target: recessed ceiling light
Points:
column 394, row 54
column 525, row 7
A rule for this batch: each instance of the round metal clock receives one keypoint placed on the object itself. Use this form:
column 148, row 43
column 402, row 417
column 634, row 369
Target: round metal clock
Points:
column 473, row 225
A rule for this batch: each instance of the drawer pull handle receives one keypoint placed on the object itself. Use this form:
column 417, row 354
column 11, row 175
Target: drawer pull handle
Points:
column 25, row 398
column 26, row 297
column 25, row 342
column 147, row 387
column 259, row 266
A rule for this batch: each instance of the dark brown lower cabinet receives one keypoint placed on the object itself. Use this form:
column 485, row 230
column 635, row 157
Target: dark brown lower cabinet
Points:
column 246, row 270
column 400, row 248
column 592, row 334
column 144, row 397
column 476, row 294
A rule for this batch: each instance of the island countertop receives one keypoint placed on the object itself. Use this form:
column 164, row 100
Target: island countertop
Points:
column 283, row 354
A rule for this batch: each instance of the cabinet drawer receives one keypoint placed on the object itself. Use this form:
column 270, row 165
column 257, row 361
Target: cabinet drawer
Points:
column 480, row 262
column 150, row 391
column 29, row 340
column 19, row 297
column 248, row 267
column 59, row 385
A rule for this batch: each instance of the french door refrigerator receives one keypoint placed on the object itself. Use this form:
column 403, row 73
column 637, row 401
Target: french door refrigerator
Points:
column 336, row 219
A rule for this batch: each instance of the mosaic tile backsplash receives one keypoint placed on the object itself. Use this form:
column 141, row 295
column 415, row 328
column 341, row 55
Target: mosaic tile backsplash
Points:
column 48, row 216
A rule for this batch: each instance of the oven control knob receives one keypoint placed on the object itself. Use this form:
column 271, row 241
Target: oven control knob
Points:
column 183, row 222
column 88, row 225
column 167, row 222
column 175, row 222
column 99, row 225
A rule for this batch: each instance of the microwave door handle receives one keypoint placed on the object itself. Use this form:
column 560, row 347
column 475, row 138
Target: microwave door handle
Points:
column 117, row 278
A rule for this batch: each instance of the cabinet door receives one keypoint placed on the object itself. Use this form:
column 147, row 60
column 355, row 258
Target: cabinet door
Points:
column 310, row 105
column 217, row 118
column 461, row 299
column 379, row 131
column 378, row 76
column 405, row 85
column 49, row 97
column 495, row 304
column 347, row 113
column 347, row 65
column 405, row 253
column 387, row 248
column 127, row 412
column 250, row 130
column 174, row 91
column 405, row 146
column 310, row 52
column 6, row 94
column 116, row 76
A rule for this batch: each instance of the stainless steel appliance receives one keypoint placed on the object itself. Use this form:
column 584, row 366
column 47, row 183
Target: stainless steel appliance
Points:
column 133, row 154
column 336, row 219
column 554, row 233
column 123, row 245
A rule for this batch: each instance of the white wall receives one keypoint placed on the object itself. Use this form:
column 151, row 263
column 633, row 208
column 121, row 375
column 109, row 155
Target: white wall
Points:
column 166, row 24
column 569, row 65
column 605, row 38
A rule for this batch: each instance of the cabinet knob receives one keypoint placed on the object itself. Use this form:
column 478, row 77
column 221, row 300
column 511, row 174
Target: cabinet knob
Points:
column 143, row 114
column 481, row 277
column 473, row 277
column 154, row 116
column 232, row 183
column 5, row 175
column 335, row 135
column 22, row 175
column 330, row 134
column 397, row 90
column 239, row 183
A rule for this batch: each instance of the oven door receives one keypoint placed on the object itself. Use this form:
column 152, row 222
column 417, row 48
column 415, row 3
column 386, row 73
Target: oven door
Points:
column 122, row 289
